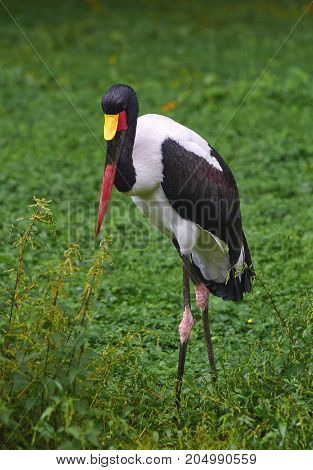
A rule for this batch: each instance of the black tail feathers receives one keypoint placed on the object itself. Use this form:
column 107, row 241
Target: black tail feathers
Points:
column 239, row 281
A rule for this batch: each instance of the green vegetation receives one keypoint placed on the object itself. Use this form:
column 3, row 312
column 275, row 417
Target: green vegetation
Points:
column 89, row 341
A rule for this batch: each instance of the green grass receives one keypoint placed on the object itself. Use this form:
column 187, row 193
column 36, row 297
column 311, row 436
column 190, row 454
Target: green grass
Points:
column 117, row 392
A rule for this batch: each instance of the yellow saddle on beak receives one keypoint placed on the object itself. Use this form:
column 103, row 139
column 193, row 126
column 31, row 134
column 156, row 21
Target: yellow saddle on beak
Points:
column 110, row 126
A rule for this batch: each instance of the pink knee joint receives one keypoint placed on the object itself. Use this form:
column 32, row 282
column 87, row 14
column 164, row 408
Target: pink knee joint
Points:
column 186, row 325
column 202, row 295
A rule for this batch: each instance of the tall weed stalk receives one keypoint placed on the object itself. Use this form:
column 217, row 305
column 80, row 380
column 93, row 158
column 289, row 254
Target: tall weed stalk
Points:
column 45, row 356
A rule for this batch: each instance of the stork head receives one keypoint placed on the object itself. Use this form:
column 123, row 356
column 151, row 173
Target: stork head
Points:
column 120, row 108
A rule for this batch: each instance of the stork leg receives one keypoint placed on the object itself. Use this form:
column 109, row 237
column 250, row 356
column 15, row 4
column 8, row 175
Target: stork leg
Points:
column 184, row 331
column 202, row 296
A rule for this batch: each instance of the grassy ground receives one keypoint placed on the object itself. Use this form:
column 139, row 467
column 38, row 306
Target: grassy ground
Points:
column 193, row 61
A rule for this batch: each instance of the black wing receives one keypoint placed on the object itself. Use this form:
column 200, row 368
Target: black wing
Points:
column 209, row 197
column 203, row 194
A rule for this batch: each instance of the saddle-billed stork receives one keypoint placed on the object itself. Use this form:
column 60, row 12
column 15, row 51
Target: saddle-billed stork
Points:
column 188, row 192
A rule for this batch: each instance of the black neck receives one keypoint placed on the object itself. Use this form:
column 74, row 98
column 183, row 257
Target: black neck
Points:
column 126, row 176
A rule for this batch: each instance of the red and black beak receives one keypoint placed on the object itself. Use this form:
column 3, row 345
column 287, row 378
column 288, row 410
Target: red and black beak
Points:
column 115, row 127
